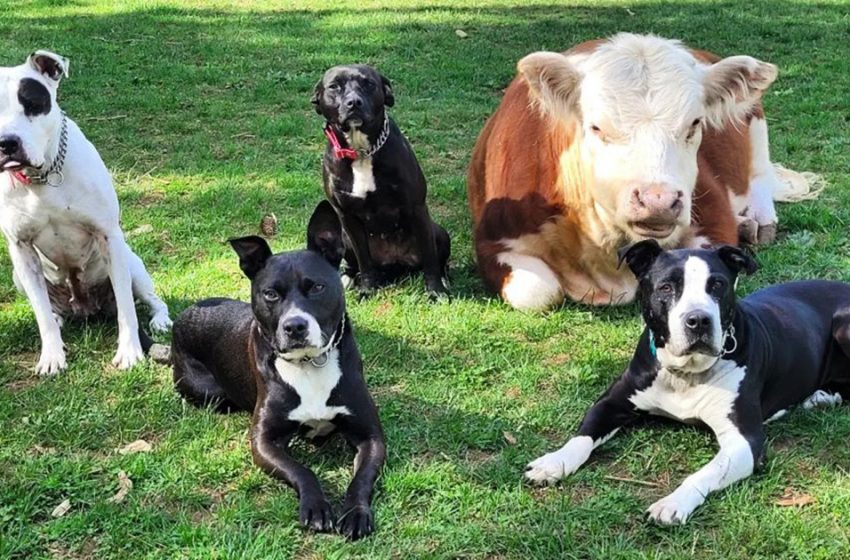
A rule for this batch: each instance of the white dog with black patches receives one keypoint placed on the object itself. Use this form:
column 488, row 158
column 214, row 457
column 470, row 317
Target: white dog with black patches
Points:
column 59, row 213
column 706, row 358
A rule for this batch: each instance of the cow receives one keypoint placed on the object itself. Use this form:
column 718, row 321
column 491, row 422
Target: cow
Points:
column 613, row 142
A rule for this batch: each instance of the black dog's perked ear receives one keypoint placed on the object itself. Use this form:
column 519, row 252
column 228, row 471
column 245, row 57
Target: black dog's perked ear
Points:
column 253, row 253
column 317, row 94
column 639, row 256
column 324, row 234
column 389, row 98
column 49, row 64
column 737, row 259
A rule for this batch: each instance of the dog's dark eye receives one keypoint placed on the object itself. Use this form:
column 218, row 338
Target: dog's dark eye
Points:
column 717, row 285
column 333, row 87
column 316, row 289
column 270, row 295
column 368, row 84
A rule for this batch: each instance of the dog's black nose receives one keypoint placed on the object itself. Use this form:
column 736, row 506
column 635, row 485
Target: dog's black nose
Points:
column 295, row 327
column 353, row 102
column 9, row 145
column 698, row 321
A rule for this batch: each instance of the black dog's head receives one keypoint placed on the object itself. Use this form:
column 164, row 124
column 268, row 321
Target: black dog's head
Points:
column 687, row 299
column 353, row 97
column 297, row 297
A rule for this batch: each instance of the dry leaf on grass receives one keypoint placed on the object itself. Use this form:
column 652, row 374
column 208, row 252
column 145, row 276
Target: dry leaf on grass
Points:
column 124, row 487
column 461, row 33
column 509, row 437
column 138, row 446
column 791, row 498
column 61, row 509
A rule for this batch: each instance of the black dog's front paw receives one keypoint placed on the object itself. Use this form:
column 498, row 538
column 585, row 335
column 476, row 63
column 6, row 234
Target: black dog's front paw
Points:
column 367, row 284
column 357, row 522
column 437, row 288
column 316, row 514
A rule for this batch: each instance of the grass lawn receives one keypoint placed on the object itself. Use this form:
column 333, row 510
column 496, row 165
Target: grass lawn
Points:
column 202, row 112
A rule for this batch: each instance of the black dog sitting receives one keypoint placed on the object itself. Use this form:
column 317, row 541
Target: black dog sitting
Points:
column 289, row 357
column 707, row 358
column 372, row 178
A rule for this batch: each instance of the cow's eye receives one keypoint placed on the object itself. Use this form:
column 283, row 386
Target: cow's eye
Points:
column 693, row 129
column 270, row 296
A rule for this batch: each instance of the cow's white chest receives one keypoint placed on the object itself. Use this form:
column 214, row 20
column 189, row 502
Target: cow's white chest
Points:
column 313, row 386
column 364, row 177
column 709, row 400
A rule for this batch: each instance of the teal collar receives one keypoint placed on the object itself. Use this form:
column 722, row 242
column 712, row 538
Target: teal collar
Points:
column 652, row 347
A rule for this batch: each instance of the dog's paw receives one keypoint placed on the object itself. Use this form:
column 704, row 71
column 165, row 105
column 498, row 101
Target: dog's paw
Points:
column 316, row 514
column 552, row 467
column 128, row 355
column 160, row 322
column 357, row 522
column 767, row 234
column 748, row 230
column 437, row 288
column 51, row 362
column 671, row 510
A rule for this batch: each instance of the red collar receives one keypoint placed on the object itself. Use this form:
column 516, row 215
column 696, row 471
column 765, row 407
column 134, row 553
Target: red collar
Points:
column 339, row 151
column 21, row 177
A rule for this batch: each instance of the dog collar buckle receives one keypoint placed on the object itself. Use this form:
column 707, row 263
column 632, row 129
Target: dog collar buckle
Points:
column 320, row 360
column 339, row 151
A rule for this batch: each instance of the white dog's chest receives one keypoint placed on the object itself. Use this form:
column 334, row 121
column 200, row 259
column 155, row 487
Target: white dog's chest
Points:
column 710, row 400
column 314, row 386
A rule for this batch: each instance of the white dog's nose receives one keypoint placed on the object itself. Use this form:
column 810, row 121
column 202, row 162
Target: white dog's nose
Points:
column 9, row 145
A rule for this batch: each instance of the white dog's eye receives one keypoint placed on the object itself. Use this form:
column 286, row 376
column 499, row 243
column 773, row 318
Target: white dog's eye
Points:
column 270, row 295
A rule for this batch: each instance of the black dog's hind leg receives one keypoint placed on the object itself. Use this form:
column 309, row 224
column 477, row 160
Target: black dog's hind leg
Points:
column 432, row 267
column 197, row 384
column 444, row 251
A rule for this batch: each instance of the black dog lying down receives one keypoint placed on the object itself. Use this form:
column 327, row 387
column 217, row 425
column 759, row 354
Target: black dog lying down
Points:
column 289, row 357
column 705, row 358
column 372, row 178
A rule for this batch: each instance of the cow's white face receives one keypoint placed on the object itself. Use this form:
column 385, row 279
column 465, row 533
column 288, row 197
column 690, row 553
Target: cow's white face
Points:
column 640, row 104
column 29, row 116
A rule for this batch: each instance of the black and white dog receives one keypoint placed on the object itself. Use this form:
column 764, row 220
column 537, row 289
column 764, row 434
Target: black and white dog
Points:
column 60, row 216
column 372, row 178
column 706, row 358
column 290, row 358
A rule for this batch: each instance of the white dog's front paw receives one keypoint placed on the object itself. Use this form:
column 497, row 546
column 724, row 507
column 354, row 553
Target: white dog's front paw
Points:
column 160, row 322
column 52, row 361
column 128, row 355
column 552, row 467
column 673, row 509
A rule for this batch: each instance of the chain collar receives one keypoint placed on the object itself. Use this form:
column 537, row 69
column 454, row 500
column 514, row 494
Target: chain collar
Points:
column 53, row 176
column 382, row 139
column 320, row 359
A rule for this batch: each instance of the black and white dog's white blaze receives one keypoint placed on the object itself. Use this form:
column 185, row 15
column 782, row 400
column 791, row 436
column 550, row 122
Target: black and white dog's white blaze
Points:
column 706, row 358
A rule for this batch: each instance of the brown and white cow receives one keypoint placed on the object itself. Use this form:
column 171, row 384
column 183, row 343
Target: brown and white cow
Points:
column 609, row 143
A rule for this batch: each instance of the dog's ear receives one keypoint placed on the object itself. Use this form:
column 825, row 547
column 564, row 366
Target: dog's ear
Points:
column 389, row 97
column 253, row 253
column 639, row 256
column 737, row 259
column 49, row 64
column 318, row 90
column 324, row 234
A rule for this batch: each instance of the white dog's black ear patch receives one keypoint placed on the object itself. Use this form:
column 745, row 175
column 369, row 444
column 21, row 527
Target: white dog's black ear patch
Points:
column 50, row 64
column 34, row 97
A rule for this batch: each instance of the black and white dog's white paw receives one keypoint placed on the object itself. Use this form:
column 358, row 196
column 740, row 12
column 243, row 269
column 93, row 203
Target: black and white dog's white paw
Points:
column 552, row 467
column 675, row 508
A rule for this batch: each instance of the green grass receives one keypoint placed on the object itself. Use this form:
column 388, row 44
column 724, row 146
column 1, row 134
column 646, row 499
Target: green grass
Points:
column 201, row 110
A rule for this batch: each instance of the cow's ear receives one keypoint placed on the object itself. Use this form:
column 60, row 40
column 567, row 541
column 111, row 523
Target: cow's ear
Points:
column 733, row 86
column 554, row 82
column 639, row 256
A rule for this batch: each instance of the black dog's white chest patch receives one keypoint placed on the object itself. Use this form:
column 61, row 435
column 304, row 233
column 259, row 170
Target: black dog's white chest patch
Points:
column 314, row 386
column 709, row 400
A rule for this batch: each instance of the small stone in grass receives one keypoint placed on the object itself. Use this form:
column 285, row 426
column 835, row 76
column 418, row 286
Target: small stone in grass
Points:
column 124, row 487
column 160, row 353
column 61, row 509
column 461, row 33
column 138, row 446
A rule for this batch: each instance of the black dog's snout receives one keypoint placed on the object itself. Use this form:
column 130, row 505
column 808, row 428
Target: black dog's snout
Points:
column 698, row 321
column 9, row 145
column 295, row 327
column 353, row 102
